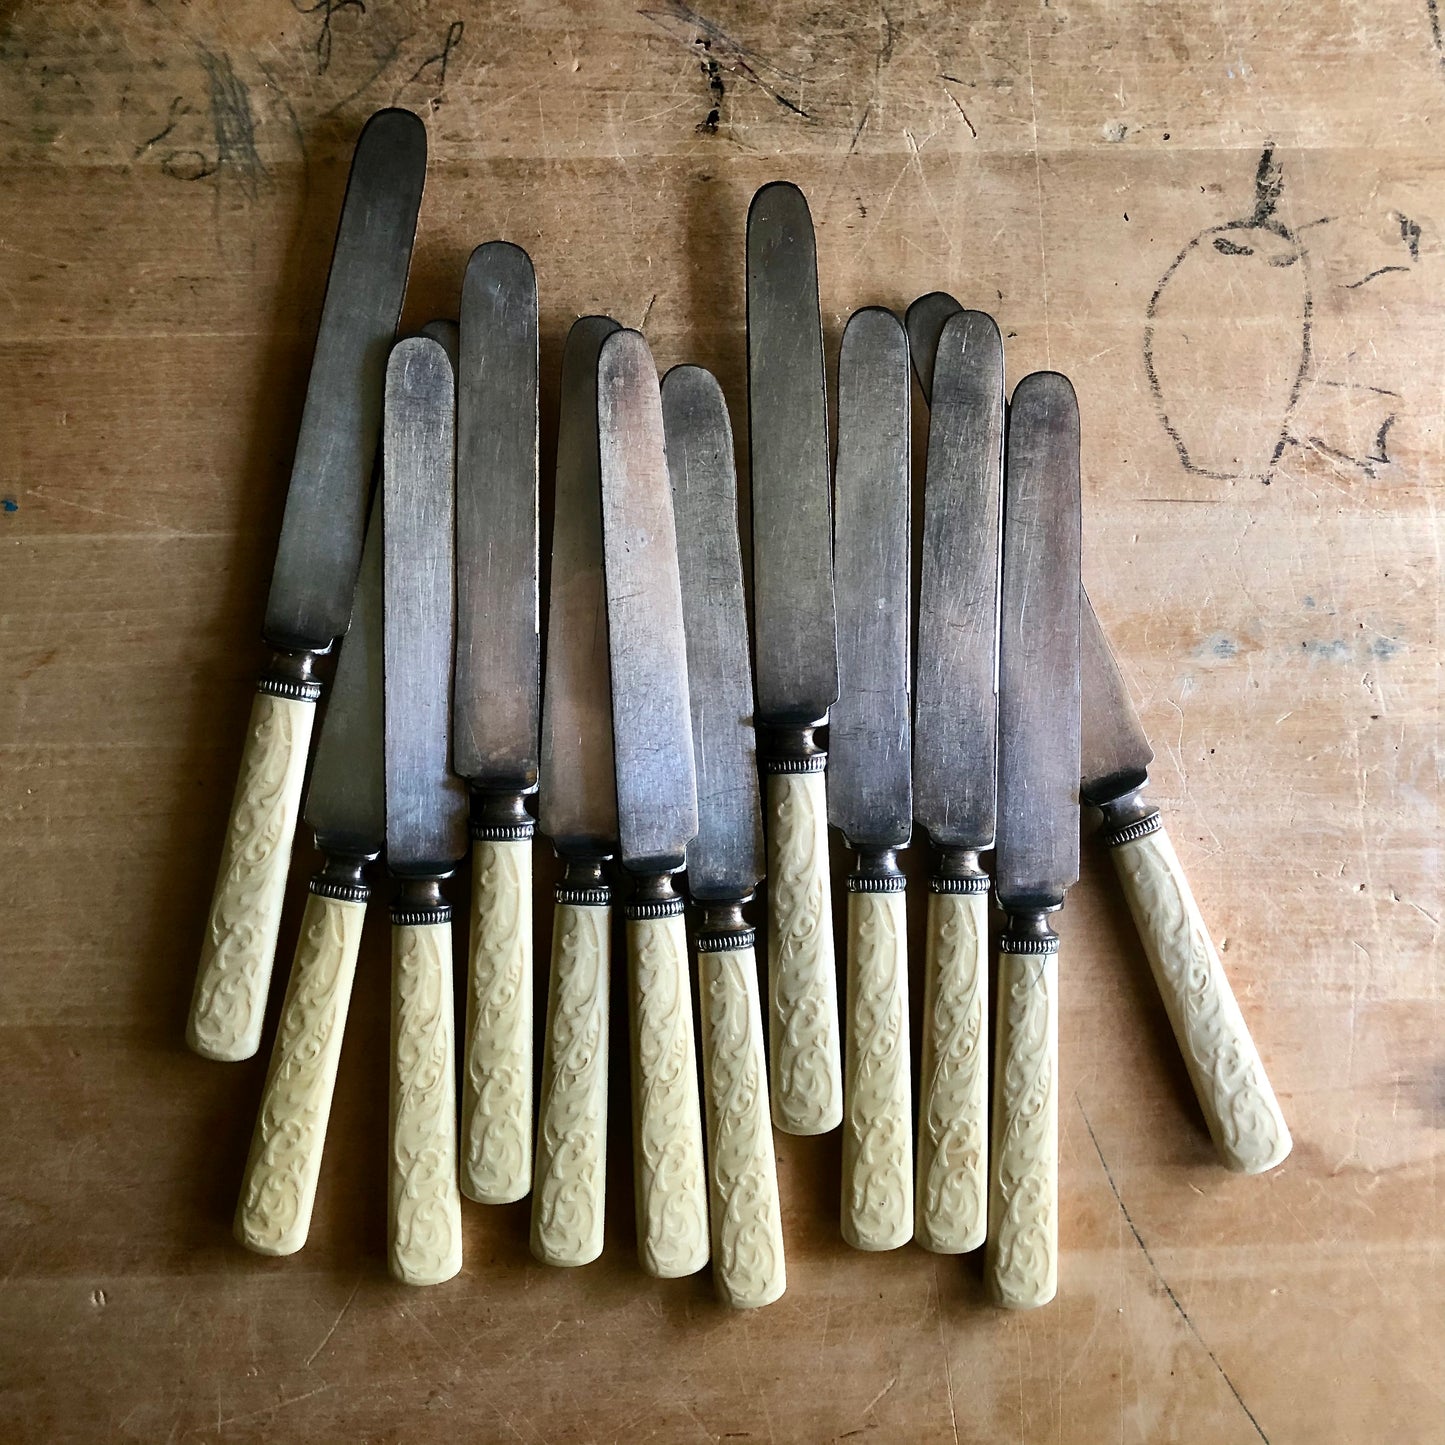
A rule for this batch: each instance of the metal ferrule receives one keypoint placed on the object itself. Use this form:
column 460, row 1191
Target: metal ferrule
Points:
column 501, row 818
column 1029, row 933
column 958, row 871
column 343, row 879
column 723, row 929
column 790, row 750
column 584, row 884
column 418, row 902
column 1128, row 818
column 291, row 675
column 877, row 871
column 655, row 898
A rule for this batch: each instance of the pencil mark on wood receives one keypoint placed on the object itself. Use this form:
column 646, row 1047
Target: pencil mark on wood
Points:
column 178, row 108
column 234, row 124
column 328, row 10
column 440, row 59
column 382, row 61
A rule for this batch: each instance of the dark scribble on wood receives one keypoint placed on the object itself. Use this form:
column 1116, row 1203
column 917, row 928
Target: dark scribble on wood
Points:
column 328, row 10
column 440, row 59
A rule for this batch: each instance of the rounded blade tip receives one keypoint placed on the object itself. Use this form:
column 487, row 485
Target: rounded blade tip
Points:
column 394, row 125
column 416, row 363
column 778, row 199
column 500, row 262
column 1045, row 397
column 876, row 326
column 693, row 388
column 626, row 357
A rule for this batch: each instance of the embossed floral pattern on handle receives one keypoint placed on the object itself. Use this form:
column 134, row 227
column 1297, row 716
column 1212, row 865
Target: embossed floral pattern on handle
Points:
column 672, row 1228
column 425, row 1214
column 497, row 1068
column 952, row 1181
column 229, row 1002
column 878, row 1112
column 571, row 1177
column 1239, row 1105
column 747, row 1229
column 807, row 1074
column 1023, row 1214
column 279, row 1189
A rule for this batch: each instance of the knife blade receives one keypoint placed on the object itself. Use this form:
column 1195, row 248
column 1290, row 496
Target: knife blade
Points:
column 314, row 577
column 425, row 807
column 1037, row 857
column 870, row 784
column 1239, row 1104
column 578, row 811
column 494, row 727
column 346, row 809
column 796, row 647
column 958, row 358
column 725, row 860
column 656, row 801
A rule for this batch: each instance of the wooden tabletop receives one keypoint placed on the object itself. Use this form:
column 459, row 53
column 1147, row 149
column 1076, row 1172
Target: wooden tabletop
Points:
column 1262, row 461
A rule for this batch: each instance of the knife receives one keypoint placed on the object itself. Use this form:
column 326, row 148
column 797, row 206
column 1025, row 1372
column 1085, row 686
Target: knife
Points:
column 448, row 333
column 494, row 723
column 346, row 809
column 796, row 638
column 656, row 802
column 311, row 588
column 426, row 807
column 725, row 860
column 578, row 806
column 1240, row 1107
column 870, row 784
column 955, row 755
column 1037, row 857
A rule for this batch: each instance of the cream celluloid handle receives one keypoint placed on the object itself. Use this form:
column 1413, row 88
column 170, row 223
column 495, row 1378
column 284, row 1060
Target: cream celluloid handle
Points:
column 497, row 1061
column 1023, row 1212
column 279, row 1190
column 807, row 1074
column 229, row 1002
column 425, row 1213
column 1239, row 1105
column 952, row 1183
column 878, row 1098
column 571, row 1179
column 747, row 1227
column 672, row 1232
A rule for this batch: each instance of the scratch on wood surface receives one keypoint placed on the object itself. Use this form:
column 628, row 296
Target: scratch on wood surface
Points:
column 1164, row 1283
column 267, row 1410
column 311, row 1358
column 1039, row 201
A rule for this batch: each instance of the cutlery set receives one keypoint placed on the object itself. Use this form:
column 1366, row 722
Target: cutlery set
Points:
column 641, row 748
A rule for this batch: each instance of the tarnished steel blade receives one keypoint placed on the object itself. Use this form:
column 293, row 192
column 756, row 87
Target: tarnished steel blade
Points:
column 1038, row 823
column 958, row 357
column 651, row 716
column 449, row 334
column 725, row 860
column 1116, row 754
column 577, row 806
column 425, row 801
column 346, row 800
column 494, row 723
column 796, row 629
column 321, row 533
column 870, row 792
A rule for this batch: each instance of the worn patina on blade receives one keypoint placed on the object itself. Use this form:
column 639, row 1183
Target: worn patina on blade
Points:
column 346, row 800
column 870, row 792
column 425, row 801
column 958, row 356
column 725, row 860
column 651, row 712
column 446, row 331
column 1116, row 754
column 1038, row 827
column 321, row 534
column 796, row 628
column 498, row 678
column 578, row 803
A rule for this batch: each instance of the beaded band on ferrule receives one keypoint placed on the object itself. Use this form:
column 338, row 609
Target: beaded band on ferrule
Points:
column 405, row 917
column 1140, row 828
column 970, row 883
column 342, row 892
column 811, row 763
column 289, row 687
column 582, row 897
column 653, row 908
column 502, row 832
column 733, row 942
column 876, row 883
column 1033, row 945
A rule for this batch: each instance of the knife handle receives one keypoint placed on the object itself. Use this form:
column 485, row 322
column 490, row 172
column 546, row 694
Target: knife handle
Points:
column 571, row 1177
column 807, row 1072
column 672, row 1232
column 497, row 1067
column 229, row 1002
column 747, row 1226
column 877, row 1093
column 952, row 1192
column 425, row 1213
column 1023, row 1215
column 1239, row 1105
column 279, row 1189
